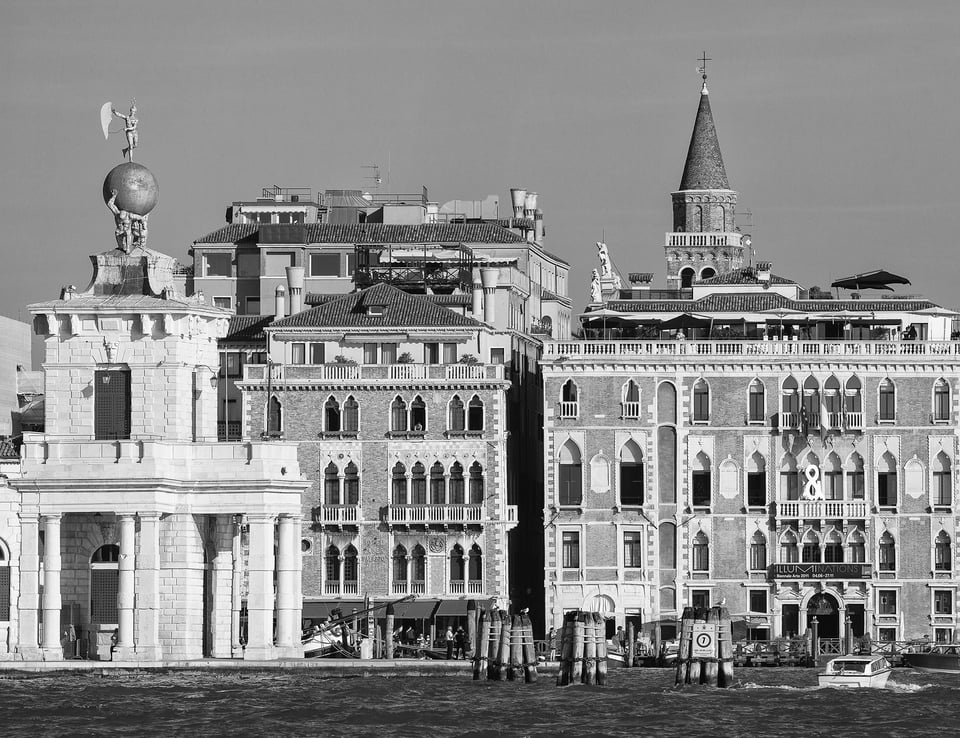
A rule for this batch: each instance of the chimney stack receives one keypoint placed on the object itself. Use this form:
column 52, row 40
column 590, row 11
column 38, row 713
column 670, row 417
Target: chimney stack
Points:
column 763, row 271
column 295, row 283
column 489, row 277
column 517, row 197
column 280, row 295
column 477, row 294
column 538, row 225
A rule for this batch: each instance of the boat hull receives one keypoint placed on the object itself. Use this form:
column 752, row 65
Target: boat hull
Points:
column 861, row 681
column 935, row 662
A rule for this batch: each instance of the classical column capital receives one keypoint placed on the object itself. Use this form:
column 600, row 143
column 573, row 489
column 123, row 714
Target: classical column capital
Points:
column 261, row 518
column 150, row 517
column 51, row 517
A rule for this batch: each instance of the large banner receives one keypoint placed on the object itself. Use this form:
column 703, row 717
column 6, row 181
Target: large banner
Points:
column 820, row 571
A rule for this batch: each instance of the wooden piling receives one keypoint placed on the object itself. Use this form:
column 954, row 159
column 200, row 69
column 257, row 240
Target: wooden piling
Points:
column 469, row 647
column 503, row 651
column 683, row 653
column 711, row 668
column 589, row 649
column 529, row 651
column 696, row 666
column 725, row 640
column 579, row 627
column 515, row 664
column 601, row 631
column 388, row 631
column 480, row 649
column 493, row 646
column 631, row 654
column 565, row 675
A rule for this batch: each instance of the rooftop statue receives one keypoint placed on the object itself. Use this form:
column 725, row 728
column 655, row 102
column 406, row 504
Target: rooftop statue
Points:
column 596, row 294
column 130, row 123
column 131, row 227
column 606, row 268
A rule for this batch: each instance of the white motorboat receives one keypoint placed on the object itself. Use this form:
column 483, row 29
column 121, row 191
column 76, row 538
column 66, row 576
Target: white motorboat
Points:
column 322, row 643
column 856, row 671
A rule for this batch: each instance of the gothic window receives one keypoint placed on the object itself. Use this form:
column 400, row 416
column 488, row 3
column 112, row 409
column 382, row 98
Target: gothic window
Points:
column 475, row 567
column 758, row 552
column 418, row 414
column 570, row 475
column 832, row 478
column 941, row 400
column 701, row 552
column 888, row 553
column 400, row 564
column 274, row 417
column 887, row 481
column 331, row 485
column 331, row 415
column 398, row 415
column 418, row 484
column 942, row 481
column 351, row 569
column 332, row 564
column 456, row 564
column 351, row 485
column 942, row 558
column 351, row 415
column 887, row 401
column 475, row 414
column 476, row 484
column 810, row 552
column 630, row 404
column 832, row 401
column 757, row 402
column 701, row 401
column 789, row 552
column 456, row 490
column 790, row 399
column 569, row 400
column 631, row 474
column 855, row 477
column 789, row 479
column 756, row 480
column 418, row 558
column 399, row 484
column 438, row 486
column 833, row 548
column 857, row 547
column 700, row 481
column 853, row 401
column 810, row 405
column 457, row 414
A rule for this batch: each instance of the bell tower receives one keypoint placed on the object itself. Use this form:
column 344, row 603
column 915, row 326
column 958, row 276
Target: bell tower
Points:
column 704, row 241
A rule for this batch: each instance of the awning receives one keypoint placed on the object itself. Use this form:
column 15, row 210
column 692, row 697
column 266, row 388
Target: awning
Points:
column 320, row 609
column 879, row 279
column 458, row 608
column 414, row 610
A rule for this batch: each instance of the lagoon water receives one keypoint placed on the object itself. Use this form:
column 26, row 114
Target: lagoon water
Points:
column 780, row 702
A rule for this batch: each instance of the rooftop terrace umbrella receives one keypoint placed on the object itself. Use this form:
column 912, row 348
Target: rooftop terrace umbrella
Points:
column 686, row 320
column 879, row 279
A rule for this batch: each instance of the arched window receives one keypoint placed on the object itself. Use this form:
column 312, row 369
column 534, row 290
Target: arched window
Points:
column 810, row 553
column 757, row 402
column 887, row 481
column 789, row 480
column 331, row 485
column 418, row 414
column 104, row 584
column 789, row 553
column 631, row 474
column 570, row 475
column 351, row 485
column 942, row 558
column 857, row 547
column 418, row 559
column 398, row 415
column 569, row 400
column 701, row 552
column 475, row 414
column 332, row 567
column 941, row 400
column 458, row 417
column 708, row 272
column 4, row 582
column 833, row 548
column 853, row 401
column 700, row 478
column 476, row 484
column 399, row 566
column 399, row 484
column 756, row 480
column 331, row 415
column 942, row 481
column 418, row 484
column 887, row 406
column 790, row 399
column 855, row 477
column 351, row 570
column 456, row 564
column 687, row 273
column 351, row 415
column 810, row 406
column 475, row 568
column 456, row 484
column 274, row 417
column 701, row 401
column 438, row 486
column 833, row 478
column 888, row 553
column 630, row 404
column 832, row 403
column 758, row 552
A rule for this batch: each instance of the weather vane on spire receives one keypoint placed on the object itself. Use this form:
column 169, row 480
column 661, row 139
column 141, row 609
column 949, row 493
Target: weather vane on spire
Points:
column 702, row 69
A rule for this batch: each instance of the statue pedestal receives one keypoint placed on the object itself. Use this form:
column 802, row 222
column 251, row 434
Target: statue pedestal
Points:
column 610, row 288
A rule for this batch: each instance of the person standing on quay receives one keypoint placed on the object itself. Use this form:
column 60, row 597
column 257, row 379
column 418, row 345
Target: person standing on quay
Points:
column 448, row 638
column 621, row 639
column 460, row 644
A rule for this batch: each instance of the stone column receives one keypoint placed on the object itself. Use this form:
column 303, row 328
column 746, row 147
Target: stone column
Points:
column 28, row 604
column 148, row 588
column 51, row 647
column 236, row 601
column 221, row 619
column 260, row 596
column 125, row 589
column 288, row 603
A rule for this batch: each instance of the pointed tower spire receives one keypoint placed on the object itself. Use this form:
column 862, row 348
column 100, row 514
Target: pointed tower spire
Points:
column 704, row 169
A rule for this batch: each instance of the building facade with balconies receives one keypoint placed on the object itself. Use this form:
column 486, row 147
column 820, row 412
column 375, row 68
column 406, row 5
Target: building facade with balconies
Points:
column 742, row 440
column 401, row 430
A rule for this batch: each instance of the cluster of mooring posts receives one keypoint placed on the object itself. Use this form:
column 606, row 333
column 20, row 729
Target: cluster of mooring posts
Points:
column 503, row 648
column 583, row 649
column 706, row 647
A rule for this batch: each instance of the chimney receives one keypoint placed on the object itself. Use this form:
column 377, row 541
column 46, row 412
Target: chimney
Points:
column 295, row 282
column 489, row 277
column 763, row 271
column 529, row 205
column 538, row 225
column 517, row 196
column 281, row 302
column 477, row 294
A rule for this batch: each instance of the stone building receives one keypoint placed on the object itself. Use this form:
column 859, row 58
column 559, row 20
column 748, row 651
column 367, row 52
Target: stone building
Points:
column 400, row 427
column 743, row 441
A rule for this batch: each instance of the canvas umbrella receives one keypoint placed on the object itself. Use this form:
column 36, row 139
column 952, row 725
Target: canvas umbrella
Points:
column 879, row 279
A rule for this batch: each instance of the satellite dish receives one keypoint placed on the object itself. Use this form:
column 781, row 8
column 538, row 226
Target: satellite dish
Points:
column 106, row 116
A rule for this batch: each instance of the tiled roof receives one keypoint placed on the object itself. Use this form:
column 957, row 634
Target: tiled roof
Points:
column 742, row 276
column 400, row 309
column 704, row 168
column 247, row 329
column 754, row 302
column 370, row 233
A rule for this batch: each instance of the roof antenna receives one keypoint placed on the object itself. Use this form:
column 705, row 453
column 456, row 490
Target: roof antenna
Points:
column 702, row 70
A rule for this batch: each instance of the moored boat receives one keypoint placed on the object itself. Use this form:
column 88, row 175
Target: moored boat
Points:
column 942, row 658
column 855, row 671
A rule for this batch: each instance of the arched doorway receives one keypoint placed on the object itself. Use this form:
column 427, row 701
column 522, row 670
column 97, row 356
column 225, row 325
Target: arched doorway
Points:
column 826, row 609
column 686, row 277
column 604, row 605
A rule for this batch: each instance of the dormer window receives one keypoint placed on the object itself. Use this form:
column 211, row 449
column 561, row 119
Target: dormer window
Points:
column 376, row 311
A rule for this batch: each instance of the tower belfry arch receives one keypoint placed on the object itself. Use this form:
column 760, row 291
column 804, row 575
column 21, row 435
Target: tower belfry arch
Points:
column 704, row 240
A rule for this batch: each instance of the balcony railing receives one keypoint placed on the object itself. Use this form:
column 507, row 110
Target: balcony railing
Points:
column 630, row 409
column 732, row 348
column 331, row 588
column 474, row 587
column 703, row 239
column 434, row 514
column 418, row 588
column 457, row 587
column 351, row 588
column 822, row 509
column 229, row 431
column 789, row 421
column 569, row 409
column 853, row 421
column 408, row 371
column 372, row 372
column 400, row 588
column 834, row 421
column 336, row 514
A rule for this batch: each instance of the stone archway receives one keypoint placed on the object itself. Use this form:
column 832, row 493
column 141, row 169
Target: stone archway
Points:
column 826, row 609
